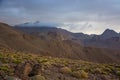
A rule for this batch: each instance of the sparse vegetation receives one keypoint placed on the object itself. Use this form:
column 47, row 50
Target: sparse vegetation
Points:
column 74, row 68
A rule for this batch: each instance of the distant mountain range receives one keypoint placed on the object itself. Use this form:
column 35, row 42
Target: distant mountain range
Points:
column 108, row 39
column 56, row 42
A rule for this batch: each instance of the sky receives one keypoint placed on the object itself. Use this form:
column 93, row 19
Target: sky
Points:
column 87, row 16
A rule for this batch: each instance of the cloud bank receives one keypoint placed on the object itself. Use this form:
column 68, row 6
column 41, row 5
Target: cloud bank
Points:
column 89, row 16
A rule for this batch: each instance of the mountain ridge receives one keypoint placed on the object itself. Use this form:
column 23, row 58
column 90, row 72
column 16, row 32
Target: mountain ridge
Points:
column 53, row 44
column 104, row 40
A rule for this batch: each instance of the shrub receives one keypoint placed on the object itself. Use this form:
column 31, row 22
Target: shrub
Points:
column 101, row 71
column 17, row 61
column 108, row 70
column 4, row 60
column 118, row 73
column 66, row 70
column 4, row 68
column 38, row 77
column 80, row 74
column 84, row 74
column 1, row 56
column 97, row 70
column 44, row 60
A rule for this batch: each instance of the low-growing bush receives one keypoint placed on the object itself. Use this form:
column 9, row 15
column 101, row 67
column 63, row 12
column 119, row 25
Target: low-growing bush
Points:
column 101, row 71
column 80, row 74
column 38, row 77
column 66, row 70
column 4, row 68
column 17, row 61
column 118, row 73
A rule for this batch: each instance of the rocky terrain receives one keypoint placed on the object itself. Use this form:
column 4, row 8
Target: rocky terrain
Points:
column 20, row 66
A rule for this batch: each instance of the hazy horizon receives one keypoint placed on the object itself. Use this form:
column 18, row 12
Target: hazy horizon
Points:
column 90, row 17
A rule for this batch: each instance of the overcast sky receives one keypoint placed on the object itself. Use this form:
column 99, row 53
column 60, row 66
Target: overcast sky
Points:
column 88, row 16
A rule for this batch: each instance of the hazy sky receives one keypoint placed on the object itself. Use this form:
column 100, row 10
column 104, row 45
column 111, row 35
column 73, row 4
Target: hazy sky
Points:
column 88, row 16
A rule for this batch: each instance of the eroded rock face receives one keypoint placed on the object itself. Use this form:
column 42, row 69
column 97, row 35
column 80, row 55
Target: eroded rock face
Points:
column 22, row 70
column 27, row 70
column 36, row 70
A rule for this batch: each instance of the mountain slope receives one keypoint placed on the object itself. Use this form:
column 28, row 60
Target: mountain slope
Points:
column 15, row 39
column 108, row 39
column 70, row 46
column 52, row 44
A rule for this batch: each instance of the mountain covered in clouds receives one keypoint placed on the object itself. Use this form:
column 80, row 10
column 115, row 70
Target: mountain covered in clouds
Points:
column 108, row 39
column 38, row 24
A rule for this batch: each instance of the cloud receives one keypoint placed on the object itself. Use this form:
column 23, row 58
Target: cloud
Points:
column 74, row 12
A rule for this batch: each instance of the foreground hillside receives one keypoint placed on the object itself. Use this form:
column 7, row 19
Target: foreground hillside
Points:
column 53, row 44
column 20, row 66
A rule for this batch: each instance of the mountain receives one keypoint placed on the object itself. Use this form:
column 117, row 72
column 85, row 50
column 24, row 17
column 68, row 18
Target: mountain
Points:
column 108, row 33
column 108, row 39
column 52, row 44
column 12, row 38
column 38, row 53
column 45, row 31
column 70, row 44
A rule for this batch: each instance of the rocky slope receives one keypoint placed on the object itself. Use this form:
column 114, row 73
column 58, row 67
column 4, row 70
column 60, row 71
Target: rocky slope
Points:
column 21, row 66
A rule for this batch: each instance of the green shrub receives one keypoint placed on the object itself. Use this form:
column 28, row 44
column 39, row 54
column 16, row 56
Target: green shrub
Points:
column 44, row 60
column 17, row 61
column 4, row 60
column 38, row 77
column 4, row 68
column 1, row 56
column 66, row 70
column 118, row 73
column 80, row 74
column 101, row 71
